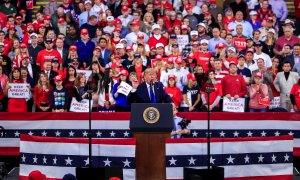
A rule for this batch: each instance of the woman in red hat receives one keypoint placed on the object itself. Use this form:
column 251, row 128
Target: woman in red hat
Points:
column 116, row 37
column 259, row 95
column 121, row 104
column 191, row 95
column 23, row 52
column 15, row 104
column 173, row 91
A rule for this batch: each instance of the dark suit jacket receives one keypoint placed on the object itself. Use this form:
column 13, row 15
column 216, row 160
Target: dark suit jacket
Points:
column 106, row 56
column 141, row 94
column 65, row 53
column 290, row 59
column 116, row 11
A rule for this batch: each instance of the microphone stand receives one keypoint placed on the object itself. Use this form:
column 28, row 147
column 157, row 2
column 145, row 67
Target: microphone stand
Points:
column 208, row 89
column 90, row 128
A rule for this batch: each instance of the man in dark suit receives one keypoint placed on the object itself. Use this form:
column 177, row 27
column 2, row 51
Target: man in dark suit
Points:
column 293, row 58
column 148, row 91
column 50, row 73
column 116, row 8
column 105, row 53
column 64, row 52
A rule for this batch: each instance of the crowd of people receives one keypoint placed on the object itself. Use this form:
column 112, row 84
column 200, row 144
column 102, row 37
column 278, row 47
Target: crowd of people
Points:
column 197, row 52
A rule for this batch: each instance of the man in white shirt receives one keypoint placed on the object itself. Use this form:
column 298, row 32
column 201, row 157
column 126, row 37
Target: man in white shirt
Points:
column 180, row 73
column 132, row 37
column 125, row 17
column 259, row 54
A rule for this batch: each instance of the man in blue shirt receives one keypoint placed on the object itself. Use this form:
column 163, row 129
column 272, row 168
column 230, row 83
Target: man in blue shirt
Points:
column 85, row 47
column 215, row 40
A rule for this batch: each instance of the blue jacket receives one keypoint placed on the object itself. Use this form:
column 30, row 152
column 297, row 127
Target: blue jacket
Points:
column 85, row 51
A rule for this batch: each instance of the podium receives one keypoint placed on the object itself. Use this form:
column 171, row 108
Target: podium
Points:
column 151, row 125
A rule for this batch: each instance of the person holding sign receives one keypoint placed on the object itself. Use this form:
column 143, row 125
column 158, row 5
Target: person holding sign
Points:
column 121, row 105
column 41, row 95
column 15, row 104
column 259, row 95
column 80, row 87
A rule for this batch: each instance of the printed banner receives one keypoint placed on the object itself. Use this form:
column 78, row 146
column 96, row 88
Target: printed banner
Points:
column 18, row 90
column 233, row 105
column 82, row 106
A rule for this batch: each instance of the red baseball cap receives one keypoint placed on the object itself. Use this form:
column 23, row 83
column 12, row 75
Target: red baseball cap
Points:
column 73, row 47
column 191, row 56
column 22, row 11
column 114, row 65
column 170, row 60
column 11, row 27
column 84, row 31
column 98, row 48
column 171, row 76
column 42, row 25
column 124, row 72
column 158, row 57
column 221, row 45
column 178, row 60
column 117, row 29
column 140, row 36
column 117, row 56
column 232, row 62
column 129, row 48
column 24, row 56
column 47, row 17
column 250, row 50
column 29, row 24
column 61, row 20
column 58, row 78
column 19, row 18
column 117, row 21
column 191, row 76
column 135, row 23
column 207, row 13
column 125, row 8
column 188, row 6
column 156, row 3
column 258, row 74
column 36, row 175
column 23, row 45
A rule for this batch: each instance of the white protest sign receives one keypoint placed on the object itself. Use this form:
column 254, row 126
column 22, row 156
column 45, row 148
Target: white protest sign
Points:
column 18, row 90
column 233, row 105
column 275, row 103
column 124, row 88
column 189, row 99
column 182, row 40
column 86, row 73
column 82, row 106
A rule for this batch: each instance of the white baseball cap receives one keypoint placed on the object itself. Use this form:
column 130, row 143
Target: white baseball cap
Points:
column 252, row 13
column 155, row 26
column 159, row 45
column 204, row 41
column 120, row 46
column 194, row 33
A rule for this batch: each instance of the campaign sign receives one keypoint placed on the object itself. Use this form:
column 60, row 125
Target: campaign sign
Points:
column 124, row 88
column 182, row 40
column 275, row 103
column 86, row 73
column 82, row 106
column 18, row 90
column 233, row 105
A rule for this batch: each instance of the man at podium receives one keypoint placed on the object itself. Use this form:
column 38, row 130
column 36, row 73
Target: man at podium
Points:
column 149, row 91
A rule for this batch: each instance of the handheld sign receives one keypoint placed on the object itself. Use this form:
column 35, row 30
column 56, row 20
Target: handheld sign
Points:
column 124, row 88
column 82, row 106
column 275, row 103
column 189, row 98
column 183, row 40
column 18, row 90
column 86, row 73
column 233, row 105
